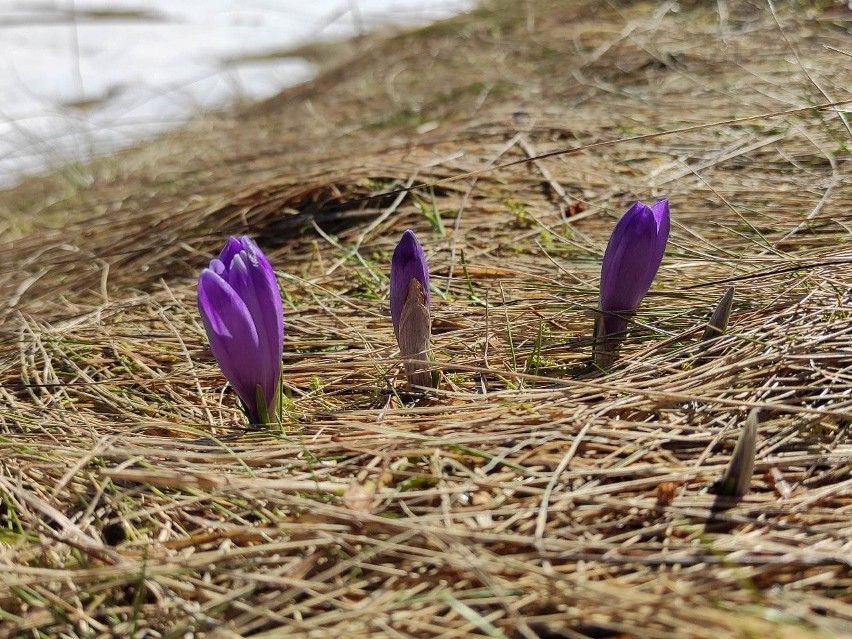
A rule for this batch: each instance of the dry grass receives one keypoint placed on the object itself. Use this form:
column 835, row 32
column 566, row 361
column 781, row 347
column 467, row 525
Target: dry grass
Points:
column 530, row 497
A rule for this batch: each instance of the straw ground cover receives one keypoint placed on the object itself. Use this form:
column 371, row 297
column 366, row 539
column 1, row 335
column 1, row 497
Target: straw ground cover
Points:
column 530, row 496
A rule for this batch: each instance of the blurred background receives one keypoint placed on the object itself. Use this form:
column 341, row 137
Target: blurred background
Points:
column 85, row 77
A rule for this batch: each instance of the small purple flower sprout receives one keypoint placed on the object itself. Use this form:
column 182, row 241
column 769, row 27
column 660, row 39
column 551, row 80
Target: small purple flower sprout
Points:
column 240, row 304
column 409, row 302
column 630, row 264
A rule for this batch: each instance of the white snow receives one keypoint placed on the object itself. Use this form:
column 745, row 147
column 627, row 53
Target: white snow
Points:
column 142, row 75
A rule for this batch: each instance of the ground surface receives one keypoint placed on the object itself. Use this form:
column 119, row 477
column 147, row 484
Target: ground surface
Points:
column 530, row 496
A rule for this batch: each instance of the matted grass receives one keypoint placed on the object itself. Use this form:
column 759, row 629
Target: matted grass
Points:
column 530, row 496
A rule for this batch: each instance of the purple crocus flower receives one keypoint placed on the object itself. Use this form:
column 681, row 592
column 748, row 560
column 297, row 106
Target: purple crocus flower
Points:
column 409, row 302
column 630, row 264
column 240, row 304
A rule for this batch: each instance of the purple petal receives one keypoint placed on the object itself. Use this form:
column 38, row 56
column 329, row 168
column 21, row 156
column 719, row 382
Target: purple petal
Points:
column 663, row 219
column 661, row 215
column 633, row 256
column 408, row 262
column 615, row 248
column 233, row 246
column 218, row 267
column 266, row 285
column 614, row 325
column 253, row 279
column 232, row 334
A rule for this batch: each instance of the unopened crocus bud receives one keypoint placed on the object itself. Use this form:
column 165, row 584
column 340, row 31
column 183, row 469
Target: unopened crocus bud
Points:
column 409, row 302
column 718, row 323
column 240, row 304
column 630, row 264
column 737, row 478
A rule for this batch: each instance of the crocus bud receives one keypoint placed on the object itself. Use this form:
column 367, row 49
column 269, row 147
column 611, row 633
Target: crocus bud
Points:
column 737, row 478
column 718, row 323
column 409, row 302
column 240, row 304
column 630, row 264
